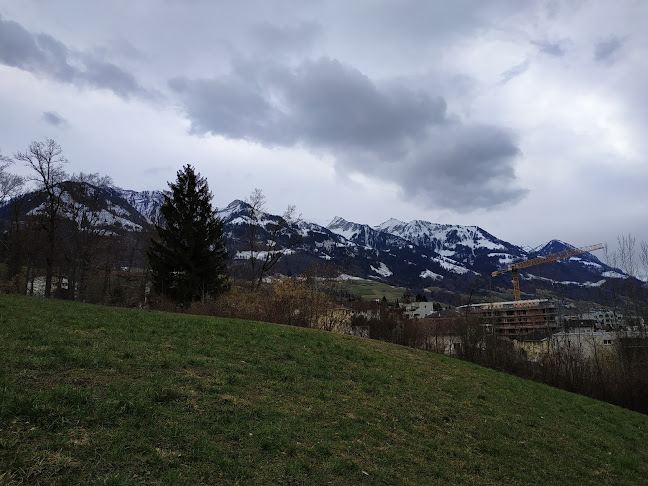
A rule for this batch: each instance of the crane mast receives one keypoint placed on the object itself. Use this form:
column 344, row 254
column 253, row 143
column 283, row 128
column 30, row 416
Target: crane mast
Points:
column 515, row 267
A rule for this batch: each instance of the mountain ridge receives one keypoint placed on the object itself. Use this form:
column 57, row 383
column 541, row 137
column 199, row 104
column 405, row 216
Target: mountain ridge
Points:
column 415, row 254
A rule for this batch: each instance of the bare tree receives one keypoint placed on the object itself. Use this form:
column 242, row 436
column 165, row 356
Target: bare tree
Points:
column 94, row 179
column 265, row 248
column 88, row 231
column 643, row 258
column 627, row 257
column 10, row 184
column 46, row 160
column 631, row 259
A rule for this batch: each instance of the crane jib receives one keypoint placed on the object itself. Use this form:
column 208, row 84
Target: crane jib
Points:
column 552, row 257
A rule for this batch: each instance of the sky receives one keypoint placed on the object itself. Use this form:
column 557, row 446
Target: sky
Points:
column 528, row 119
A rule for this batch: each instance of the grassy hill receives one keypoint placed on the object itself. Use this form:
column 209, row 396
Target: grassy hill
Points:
column 372, row 290
column 94, row 395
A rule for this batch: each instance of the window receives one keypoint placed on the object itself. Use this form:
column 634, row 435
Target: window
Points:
column 607, row 342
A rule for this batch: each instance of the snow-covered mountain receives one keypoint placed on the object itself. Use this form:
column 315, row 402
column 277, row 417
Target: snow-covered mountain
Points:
column 469, row 250
column 468, row 245
column 83, row 204
column 147, row 203
column 365, row 235
column 416, row 254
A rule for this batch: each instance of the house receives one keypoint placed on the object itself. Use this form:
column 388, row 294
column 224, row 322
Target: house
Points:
column 417, row 310
column 440, row 335
column 36, row 286
column 585, row 343
column 602, row 319
column 535, row 344
column 366, row 309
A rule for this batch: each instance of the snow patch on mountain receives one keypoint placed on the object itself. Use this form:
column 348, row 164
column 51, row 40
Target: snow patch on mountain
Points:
column 585, row 262
column 382, row 270
column 504, row 258
column 258, row 255
column 430, row 274
column 613, row 274
column 562, row 282
column 451, row 266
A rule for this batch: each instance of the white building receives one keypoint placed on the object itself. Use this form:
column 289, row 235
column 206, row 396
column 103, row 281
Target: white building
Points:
column 37, row 286
column 418, row 310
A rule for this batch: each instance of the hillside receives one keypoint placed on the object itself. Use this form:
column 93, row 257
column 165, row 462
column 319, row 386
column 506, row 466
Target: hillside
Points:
column 94, row 395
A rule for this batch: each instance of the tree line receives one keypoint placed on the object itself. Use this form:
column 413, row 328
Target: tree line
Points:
column 65, row 248
column 62, row 247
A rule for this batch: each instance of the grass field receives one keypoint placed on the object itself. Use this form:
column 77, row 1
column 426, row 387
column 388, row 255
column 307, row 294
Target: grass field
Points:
column 94, row 395
column 371, row 290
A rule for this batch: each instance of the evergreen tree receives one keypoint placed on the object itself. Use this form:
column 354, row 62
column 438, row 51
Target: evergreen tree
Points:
column 188, row 261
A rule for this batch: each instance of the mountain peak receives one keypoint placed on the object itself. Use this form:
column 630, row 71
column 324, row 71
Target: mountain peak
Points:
column 347, row 229
column 391, row 223
column 337, row 222
column 552, row 246
column 234, row 209
column 236, row 204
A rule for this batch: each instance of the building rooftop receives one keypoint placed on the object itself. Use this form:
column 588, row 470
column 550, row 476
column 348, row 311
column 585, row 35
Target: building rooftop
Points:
column 508, row 304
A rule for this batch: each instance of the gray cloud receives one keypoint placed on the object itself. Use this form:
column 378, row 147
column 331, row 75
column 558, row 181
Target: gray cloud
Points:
column 515, row 71
column 550, row 48
column 273, row 39
column 230, row 107
column 106, row 75
column 608, row 49
column 464, row 168
column 54, row 119
column 44, row 55
column 371, row 128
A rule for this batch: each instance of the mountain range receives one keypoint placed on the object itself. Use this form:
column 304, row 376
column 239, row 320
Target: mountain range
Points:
column 417, row 254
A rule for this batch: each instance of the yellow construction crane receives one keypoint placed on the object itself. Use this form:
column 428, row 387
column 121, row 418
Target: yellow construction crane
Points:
column 514, row 267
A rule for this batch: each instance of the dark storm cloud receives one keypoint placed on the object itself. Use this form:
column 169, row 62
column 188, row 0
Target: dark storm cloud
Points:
column 608, row 49
column 42, row 54
column 387, row 130
column 54, row 119
column 464, row 168
column 231, row 107
column 322, row 103
column 335, row 105
column 550, row 48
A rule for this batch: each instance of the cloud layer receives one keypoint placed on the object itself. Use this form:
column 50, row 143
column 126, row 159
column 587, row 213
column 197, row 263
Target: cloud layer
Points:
column 43, row 55
column 386, row 131
column 420, row 109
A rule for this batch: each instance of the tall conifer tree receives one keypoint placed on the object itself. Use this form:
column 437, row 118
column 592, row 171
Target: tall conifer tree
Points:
column 189, row 259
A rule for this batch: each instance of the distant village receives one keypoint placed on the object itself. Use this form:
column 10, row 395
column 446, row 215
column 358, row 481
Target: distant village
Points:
column 535, row 326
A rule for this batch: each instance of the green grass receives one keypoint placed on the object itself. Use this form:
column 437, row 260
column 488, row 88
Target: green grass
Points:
column 371, row 290
column 94, row 395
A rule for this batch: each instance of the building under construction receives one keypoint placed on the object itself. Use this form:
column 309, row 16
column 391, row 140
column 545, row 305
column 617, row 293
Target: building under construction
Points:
column 517, row 318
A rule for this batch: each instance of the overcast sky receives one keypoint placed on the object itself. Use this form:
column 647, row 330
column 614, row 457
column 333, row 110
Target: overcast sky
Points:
column 526, row 118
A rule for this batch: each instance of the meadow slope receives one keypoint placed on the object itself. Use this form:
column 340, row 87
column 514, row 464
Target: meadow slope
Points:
column 99, row 395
